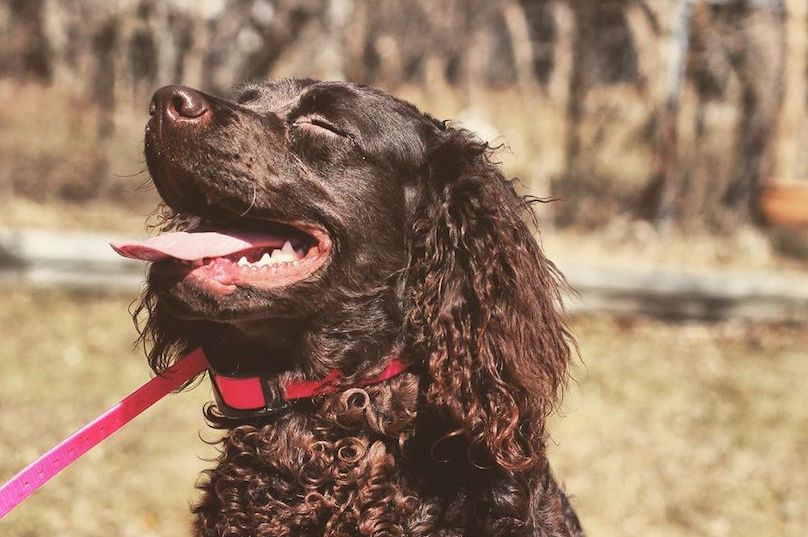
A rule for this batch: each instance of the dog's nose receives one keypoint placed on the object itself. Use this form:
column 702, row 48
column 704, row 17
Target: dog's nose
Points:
column 179, row 104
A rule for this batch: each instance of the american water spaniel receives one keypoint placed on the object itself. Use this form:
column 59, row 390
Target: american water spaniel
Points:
column 327, row 239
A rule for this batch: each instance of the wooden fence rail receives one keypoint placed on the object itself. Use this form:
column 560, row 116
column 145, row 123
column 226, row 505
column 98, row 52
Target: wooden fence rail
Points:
column 86, row 262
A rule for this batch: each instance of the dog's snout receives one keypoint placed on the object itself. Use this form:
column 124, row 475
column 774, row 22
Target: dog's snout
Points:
column 179, row 104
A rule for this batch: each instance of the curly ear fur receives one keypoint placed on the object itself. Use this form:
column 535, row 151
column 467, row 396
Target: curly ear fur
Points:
column 485, row 308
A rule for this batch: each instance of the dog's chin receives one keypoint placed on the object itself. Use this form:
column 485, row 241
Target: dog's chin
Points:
column 195, row 296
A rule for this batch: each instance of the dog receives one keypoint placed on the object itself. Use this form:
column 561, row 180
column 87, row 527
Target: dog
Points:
column 384, row 333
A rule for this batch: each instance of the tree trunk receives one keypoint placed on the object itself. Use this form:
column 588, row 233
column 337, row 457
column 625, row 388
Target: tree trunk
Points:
column 663, row 189
column 793, row 108
column 757, row 62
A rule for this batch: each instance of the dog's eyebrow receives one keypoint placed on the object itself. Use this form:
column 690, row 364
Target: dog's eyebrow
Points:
column 332, row 103
column 328, row 97
column 248, row 94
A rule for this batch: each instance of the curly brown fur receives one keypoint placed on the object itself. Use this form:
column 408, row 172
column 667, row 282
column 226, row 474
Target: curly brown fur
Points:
column 484, row 305
column 434, row 256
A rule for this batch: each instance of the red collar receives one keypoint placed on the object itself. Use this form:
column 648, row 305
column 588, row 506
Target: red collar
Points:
column 247, row 397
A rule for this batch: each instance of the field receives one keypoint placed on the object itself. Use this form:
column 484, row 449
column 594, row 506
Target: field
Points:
column 667, row 430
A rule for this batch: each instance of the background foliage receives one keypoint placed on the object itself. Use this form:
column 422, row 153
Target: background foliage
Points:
column 675, row 111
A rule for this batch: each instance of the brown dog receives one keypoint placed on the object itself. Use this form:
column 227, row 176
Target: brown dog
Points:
column 349, row 248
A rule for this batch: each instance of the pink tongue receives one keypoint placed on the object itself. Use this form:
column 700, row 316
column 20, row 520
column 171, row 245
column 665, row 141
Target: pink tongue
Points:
column 193, row 246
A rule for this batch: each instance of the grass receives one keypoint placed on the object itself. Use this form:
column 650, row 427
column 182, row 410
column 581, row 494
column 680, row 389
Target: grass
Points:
column 64, row 359
column 669, row 429
column 687, row 429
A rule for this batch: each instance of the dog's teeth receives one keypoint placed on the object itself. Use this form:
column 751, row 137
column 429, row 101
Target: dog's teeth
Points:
column 264, row 261
column 287, row 253
column 294, row 253
column 243, row 262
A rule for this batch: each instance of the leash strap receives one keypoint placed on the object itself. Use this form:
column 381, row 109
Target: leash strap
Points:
column 51, row 463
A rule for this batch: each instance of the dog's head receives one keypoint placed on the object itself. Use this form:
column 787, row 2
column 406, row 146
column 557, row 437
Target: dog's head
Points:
column 366, row 224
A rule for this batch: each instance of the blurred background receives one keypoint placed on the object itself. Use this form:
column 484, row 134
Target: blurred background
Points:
column 670, row 133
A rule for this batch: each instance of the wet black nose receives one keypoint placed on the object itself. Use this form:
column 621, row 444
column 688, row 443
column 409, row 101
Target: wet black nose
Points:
column 178, row 103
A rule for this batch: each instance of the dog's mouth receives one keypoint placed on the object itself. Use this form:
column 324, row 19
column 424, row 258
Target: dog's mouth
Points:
column 278, row 256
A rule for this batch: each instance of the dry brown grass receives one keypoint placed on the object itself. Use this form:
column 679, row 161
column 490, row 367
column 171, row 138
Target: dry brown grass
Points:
column 687, row 429
column 670, row 429
column 64, row 359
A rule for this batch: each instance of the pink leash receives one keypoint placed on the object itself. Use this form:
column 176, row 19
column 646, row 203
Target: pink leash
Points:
column 51, row 463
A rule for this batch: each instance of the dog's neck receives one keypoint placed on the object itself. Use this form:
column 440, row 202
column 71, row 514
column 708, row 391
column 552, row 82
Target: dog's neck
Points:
column 351, row 339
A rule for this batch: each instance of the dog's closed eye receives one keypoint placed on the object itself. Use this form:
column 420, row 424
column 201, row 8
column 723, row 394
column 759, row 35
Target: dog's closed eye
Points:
column 320, row 125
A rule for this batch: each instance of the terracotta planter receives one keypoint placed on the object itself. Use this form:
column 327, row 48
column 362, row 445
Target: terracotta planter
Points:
column 785, row 204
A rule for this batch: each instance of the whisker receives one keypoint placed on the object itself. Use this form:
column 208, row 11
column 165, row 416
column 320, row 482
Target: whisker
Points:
column 145, row 186
column 252, row 203
column 122, row 175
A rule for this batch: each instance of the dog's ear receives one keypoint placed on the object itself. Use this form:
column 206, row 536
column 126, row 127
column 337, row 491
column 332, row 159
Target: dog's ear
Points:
column 485, row 308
